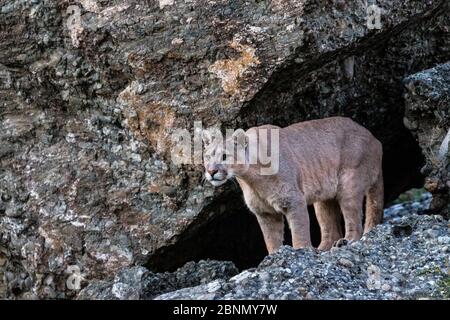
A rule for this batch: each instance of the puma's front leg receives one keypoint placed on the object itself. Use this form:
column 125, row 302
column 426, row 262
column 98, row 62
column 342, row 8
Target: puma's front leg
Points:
column 298, row 220
column 272, row 227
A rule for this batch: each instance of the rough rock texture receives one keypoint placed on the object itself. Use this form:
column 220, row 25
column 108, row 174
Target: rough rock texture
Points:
column 407, row 259
column 91, row 91
column 427, row 115
column 397, row 211
column 139, row 283
column 3, row 286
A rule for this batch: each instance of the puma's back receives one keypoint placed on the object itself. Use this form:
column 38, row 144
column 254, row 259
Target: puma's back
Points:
column 324, row 152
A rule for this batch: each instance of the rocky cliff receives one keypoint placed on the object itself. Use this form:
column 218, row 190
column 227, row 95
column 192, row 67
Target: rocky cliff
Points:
column 91, row 92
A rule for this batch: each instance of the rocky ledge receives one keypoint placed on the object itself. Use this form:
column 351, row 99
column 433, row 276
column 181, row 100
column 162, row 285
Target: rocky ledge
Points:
column 407, row 257
column 92, row 91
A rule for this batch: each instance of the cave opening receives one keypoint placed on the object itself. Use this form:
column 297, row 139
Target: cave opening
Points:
column 233, row 235
column 371, row 94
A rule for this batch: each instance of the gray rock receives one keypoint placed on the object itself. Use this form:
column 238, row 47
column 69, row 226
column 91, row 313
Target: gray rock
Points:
column 91, row 91
column 397, row 211
column 427, row 115
column 139, row 283
column 408, row 267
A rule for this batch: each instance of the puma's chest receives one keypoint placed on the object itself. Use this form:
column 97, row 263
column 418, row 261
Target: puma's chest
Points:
column 254, row 201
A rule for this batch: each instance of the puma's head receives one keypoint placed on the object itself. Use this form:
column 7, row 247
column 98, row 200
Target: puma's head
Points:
column 223, row 160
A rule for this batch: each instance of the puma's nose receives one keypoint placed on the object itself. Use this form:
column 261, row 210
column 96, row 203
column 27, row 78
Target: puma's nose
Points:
column 212, row 172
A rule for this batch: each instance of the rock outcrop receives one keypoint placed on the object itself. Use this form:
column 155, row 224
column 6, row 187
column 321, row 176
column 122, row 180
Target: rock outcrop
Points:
column 139, row 283
column 407, row 259
column 91, row 92
column 427, row 115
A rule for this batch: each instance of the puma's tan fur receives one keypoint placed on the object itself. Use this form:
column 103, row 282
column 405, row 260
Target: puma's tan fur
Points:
column 331, row 163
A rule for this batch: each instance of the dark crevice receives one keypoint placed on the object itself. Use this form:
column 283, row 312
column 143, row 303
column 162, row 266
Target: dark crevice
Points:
column 233, row 235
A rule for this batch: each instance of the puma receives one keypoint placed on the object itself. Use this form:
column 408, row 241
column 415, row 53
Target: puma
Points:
column 332, row 164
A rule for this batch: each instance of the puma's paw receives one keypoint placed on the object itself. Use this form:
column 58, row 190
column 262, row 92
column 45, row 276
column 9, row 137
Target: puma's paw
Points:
column 342, row 242
column 325, row 246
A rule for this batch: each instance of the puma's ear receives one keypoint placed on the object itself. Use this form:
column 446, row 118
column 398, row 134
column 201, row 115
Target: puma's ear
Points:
column 211, row 135
column 240, row 138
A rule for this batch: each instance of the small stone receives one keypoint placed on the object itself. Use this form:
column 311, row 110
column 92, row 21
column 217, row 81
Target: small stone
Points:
column 264, row 276
column 443, row 240
column 13, row 212
column 9, row 276
column 177, row 41
column 136, row 157
column 241, row 276
column 214, row 286
column 334, row 249
column 432, row 233
column 309, row 296
column 71, row 138
column 385, row 287
column 345, row 262
column 8, row 8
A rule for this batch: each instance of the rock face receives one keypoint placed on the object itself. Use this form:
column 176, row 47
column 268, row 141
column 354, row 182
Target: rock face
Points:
column 92, row 91
column 428, row 116
column 407, row 259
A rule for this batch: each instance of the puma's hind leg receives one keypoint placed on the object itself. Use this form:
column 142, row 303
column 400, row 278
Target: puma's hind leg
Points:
column 350, row 197
column 351, row 207
column 328, row 216
column 374, row 205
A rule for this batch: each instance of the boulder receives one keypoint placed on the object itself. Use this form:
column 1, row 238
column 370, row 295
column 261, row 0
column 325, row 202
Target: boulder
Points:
column 138, row 283
column 93, row 90
column 427, row 115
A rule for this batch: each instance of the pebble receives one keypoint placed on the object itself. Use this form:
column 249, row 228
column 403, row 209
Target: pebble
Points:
column 444, row 240
column 346, row 263
column 385, row 287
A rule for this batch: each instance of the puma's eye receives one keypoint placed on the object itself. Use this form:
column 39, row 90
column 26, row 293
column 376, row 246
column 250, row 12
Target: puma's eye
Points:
column 224, row 157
